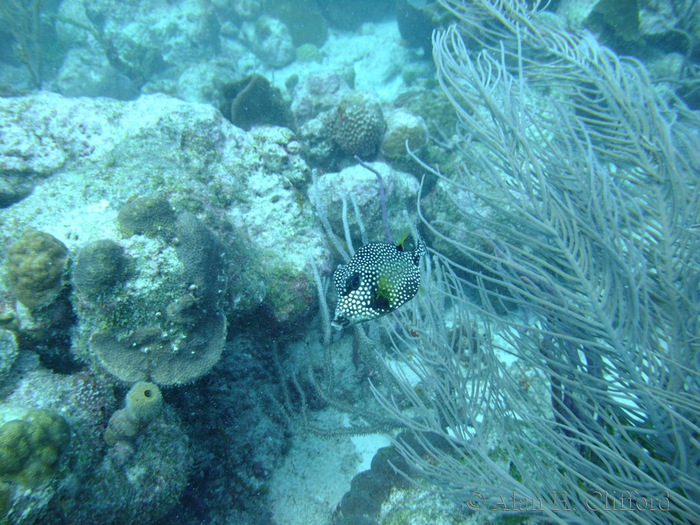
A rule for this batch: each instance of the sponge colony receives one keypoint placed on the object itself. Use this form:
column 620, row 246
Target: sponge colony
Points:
column 143, row 404
column 34, row 268
column 144, row 401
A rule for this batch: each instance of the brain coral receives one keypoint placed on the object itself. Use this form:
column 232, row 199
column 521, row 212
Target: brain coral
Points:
column 149, row 215
column 34, row 268
column 30, row 447
column 357, row 125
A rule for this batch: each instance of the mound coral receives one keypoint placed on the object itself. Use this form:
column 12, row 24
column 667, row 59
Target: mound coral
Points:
column 34, row 268
column 149, row 216
column 99, row 268
column 358, row 125
column 31, row 447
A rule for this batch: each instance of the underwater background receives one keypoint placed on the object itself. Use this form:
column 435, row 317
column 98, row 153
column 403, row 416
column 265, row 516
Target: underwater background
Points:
column 349, row 261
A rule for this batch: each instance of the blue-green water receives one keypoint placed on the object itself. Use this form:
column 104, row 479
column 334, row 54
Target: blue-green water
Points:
column 183, row 183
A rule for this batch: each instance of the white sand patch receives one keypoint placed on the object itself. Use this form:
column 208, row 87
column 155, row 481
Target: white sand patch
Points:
column 317, row 472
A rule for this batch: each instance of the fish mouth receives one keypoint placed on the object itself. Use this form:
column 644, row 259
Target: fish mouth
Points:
column 340, row 322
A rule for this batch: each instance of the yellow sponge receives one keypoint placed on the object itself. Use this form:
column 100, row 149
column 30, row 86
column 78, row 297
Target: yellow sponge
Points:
column 144, row 401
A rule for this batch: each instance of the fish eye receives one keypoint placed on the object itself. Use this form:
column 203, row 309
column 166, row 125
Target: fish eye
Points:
column 352, row 283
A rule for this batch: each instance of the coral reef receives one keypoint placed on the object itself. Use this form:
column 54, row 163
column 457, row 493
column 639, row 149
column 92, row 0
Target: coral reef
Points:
column 416, row 25
column 14, row 187
column 99, row 267
column 151, row 470
column 243, row 182
column 91, row 482
column 403, row 127
column 70, row 135
column 143, row 403
column 358, row 125
column 350, row 15
column 319, row 148
column 305, row 22
column 362, row 186
column 139, row 45
column 254, row 102
column 30, row 447
column 270, row 40
column 309, row 53
column 88, row 72
column 247, row 9
column 150, row 215
column 166, row 322
column 34, row 268
column 317, row 93
column 167, row 358
column 205, row 82
column 154, row 474
column 8, row 353
column 186, row 193
column 60, row 401
column 368, row 500
column 432, row 106
column 234, row 466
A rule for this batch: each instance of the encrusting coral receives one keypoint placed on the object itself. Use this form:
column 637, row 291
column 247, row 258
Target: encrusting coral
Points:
column 150, row 307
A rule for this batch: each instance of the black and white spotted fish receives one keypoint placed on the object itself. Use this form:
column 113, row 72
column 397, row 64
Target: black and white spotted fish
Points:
column 378, row 279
